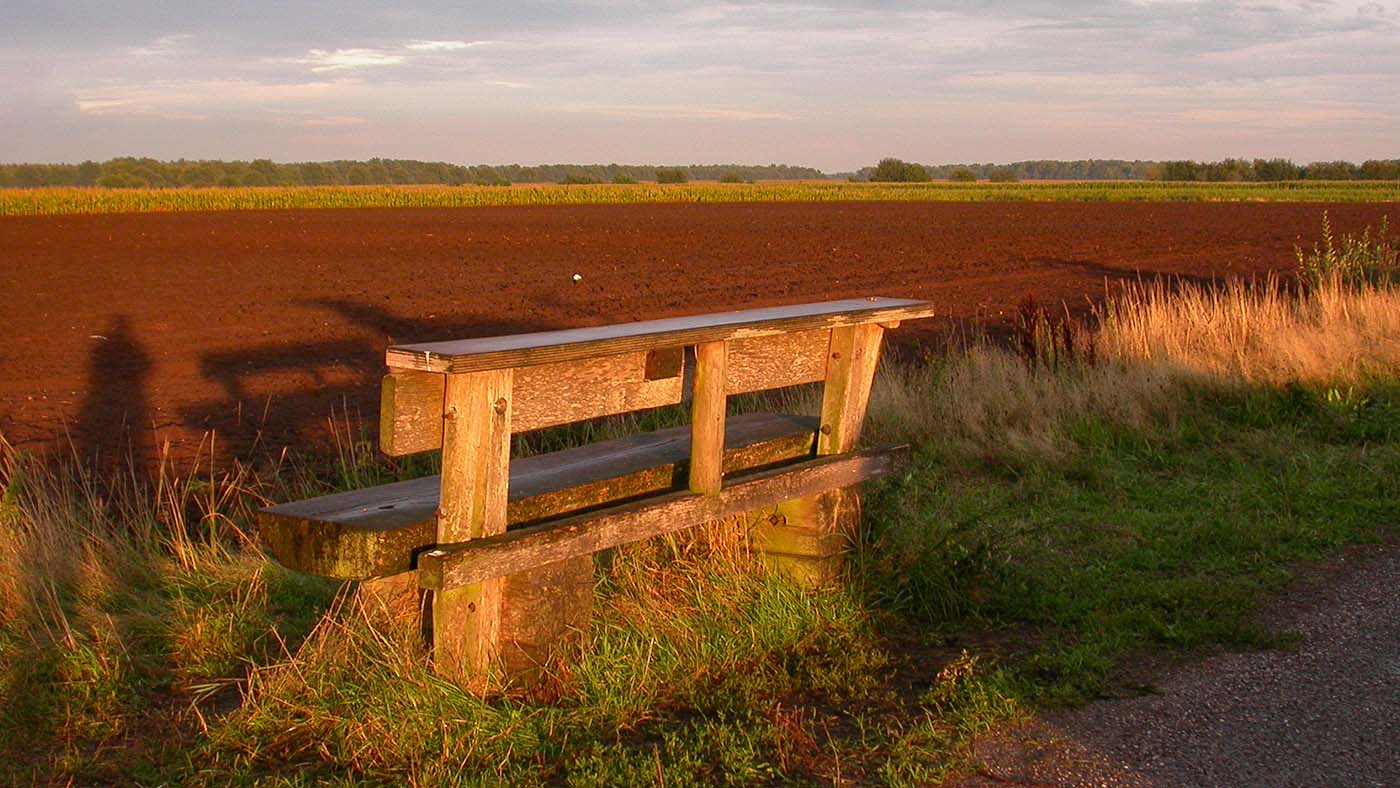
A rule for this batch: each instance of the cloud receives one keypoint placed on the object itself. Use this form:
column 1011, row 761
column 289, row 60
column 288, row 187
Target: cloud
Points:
column 444, row 46
column 188, row 99
column 1278, row 118
column 335, row 120
column 946, row 79
column 680, row 111
column 99, row 105
column 322, row 60
column 164, row 45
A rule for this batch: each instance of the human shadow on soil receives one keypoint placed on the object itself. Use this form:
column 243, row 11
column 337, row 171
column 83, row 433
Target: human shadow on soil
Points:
column 314, row 382
column 114, row 419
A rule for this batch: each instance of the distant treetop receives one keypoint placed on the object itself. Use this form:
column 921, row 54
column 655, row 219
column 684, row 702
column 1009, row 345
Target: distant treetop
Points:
column 1140, row 170
column 131, row 172
column 128, row 172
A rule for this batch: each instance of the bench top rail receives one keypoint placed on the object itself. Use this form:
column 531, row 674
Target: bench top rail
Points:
column 523, row 350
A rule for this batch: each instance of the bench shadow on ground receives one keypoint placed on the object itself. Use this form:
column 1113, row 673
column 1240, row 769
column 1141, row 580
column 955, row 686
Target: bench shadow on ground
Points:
column 937, row 336
column 285, row 393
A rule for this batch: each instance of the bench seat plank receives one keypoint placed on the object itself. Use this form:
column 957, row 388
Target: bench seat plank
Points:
column 451, row 566
column 523, row 350
column 377, row 531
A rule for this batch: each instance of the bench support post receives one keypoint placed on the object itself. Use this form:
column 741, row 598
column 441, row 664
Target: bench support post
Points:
column 707, row 418
column 806, row 538
column 543, row 608
column 398, row 602
column 850, row 371
column 466, row 621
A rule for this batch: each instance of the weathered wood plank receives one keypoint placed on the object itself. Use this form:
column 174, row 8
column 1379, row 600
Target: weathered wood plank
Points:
column 762, row 363
column 542, row 608
column 850, row 371
column 475, row 477
column 375, row 532
column 410, row 405
column 410, row 412
column 564, row 393
column 523, row 350
column 478, row 559
column 707, row 418
column 806, row 538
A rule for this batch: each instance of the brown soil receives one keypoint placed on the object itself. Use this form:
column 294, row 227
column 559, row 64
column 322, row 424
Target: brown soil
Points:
column 262, row 323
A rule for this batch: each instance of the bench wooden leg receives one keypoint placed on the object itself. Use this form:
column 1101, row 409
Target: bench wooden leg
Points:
column 806, row 538
column 475, row 473
column 399, row 603
column 543, row 609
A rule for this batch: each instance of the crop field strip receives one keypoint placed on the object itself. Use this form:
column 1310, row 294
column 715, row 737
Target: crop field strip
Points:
column 64, row 201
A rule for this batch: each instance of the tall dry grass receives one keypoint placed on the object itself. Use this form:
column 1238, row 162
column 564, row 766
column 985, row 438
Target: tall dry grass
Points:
column 72, row 534
column 1156, row 344
column 116, row 590
column 1259, row 333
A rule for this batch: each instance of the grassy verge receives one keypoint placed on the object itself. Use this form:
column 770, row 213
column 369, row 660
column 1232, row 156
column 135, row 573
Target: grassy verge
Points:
column 1089, row 499
column 58, row 201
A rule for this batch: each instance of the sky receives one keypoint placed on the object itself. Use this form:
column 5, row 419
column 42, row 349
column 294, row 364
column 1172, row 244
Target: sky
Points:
column 834, row 85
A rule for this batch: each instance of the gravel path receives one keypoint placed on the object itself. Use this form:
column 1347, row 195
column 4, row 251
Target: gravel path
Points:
column 1325, row 712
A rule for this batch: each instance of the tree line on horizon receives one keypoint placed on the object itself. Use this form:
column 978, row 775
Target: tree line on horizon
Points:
column 1225, row 170
column 132, row 172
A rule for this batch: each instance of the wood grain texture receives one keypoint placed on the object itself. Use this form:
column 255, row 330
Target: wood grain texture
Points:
column 850, row 371
column 808, row 537
column 375, row 532
column 542, row 609
column 707, row 418
column 762, row 363
column 523, row 350
column 476, row 560
column 410, row 403
column 410, row 412
column 475, row 483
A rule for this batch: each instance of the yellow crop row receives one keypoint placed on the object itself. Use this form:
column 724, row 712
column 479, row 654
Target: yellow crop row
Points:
column 56, row 201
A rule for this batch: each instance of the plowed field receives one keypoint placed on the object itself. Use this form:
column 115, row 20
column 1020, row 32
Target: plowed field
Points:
column 258, row 324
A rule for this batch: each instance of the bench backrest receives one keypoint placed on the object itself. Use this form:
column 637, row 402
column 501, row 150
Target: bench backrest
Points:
column 571, row 375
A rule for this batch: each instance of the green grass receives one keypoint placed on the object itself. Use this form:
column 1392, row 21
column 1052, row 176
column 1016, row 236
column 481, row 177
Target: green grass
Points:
column 1355, row 260
column 986, row 586
column 58, row 201
column 1160, row 539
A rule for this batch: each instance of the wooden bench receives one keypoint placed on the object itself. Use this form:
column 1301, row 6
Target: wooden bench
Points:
column 493, row 557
